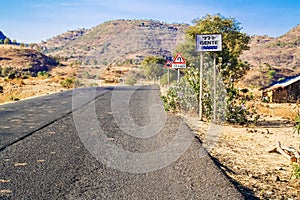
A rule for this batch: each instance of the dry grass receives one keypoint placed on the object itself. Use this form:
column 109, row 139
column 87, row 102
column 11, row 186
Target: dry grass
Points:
column 283, row 110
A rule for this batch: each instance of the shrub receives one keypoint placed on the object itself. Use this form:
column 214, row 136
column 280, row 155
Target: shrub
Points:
column 181, row 97
column 297, row 120
column 164, row 78
column 5, row 71
column 12, row 98
column 131, row 81
column 296, row 170
column 93, row 85
column 271, row 74
column 68, row 83
column 43, row 74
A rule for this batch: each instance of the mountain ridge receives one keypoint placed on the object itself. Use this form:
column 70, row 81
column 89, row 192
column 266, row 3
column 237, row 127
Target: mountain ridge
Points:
column 272, row 59
column 117, row 40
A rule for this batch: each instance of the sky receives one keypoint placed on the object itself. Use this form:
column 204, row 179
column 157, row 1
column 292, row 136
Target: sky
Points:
column 33, row 21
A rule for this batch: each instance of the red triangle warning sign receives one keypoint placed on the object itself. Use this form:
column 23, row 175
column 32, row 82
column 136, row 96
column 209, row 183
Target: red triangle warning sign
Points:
column 179, row 59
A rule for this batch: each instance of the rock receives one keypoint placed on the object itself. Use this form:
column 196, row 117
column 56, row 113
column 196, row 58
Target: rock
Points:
column 275, row 178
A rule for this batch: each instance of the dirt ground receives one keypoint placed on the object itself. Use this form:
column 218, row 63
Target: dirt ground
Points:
column 242, row 153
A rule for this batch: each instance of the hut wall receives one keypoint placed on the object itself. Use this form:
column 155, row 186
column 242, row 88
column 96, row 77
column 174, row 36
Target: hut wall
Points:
column 280, row 96
column 294, row 92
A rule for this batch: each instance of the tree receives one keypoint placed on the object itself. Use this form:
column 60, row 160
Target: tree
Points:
column 230, row 67
column 234, row 43
column 153, row 67
column 7, row 41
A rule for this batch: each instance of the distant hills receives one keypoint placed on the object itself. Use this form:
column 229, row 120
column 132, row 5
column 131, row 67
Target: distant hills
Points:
column 273, row 59
column 114, row 43
column 117, row 41
column 2, row 36
column 24, row 59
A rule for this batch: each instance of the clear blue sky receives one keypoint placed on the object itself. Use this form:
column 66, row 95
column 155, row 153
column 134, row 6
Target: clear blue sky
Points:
column 37, row 20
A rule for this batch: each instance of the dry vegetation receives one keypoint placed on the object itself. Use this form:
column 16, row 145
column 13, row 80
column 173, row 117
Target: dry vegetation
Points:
column 242, row 152
column 102, row 55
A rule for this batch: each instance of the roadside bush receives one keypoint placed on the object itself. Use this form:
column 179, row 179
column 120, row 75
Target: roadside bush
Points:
column 68, row 83
column 93, row 85
column 12, row 98
column 238, row 112
column 231, row 106
column 182, row 96
column 131, row 81
column 1, row 89
column 164, row 78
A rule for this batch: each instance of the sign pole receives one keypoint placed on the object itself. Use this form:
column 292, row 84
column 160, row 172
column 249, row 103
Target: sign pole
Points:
column 215, row 89
column 201, row 86
column 178, row 78
column 168, row 76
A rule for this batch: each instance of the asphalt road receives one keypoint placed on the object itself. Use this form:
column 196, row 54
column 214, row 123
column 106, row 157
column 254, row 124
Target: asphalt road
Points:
column 104, row 143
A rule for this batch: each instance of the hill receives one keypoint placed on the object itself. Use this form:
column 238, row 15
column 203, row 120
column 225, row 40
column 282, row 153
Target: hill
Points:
column 2, row 36
column 20, row 59
column 272, row 59
column 116, row 41
column 120, row 42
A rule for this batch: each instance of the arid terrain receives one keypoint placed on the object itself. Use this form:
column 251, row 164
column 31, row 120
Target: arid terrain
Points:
column 96, row 57
column 242, row 153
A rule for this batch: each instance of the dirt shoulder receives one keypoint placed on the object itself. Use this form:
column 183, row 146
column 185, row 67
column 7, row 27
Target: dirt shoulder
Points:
column 242, row 153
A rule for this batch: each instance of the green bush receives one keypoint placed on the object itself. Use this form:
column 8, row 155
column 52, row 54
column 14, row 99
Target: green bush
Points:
column 184, row 96
column 68, row 83
column 43, row 74
column 13, row 98
column 271, row 74
column 5, row 71
column 296, row 170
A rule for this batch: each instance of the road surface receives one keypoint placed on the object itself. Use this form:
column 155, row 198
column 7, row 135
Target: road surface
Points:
column 104, row 143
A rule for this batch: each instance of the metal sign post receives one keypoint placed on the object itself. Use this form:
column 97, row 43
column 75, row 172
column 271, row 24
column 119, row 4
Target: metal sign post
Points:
column 168, row 76
column 210, row 43
column 201, row 86
column 215, row 89
column 178, row 63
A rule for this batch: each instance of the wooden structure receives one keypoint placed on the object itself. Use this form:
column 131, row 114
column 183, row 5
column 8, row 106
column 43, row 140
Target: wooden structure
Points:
column 287, row 91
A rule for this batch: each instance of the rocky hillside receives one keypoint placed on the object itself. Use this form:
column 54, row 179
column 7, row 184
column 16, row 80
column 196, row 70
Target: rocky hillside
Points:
column 116, row 41
column 2, row 36
column 272, row 59
column 17, row 58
